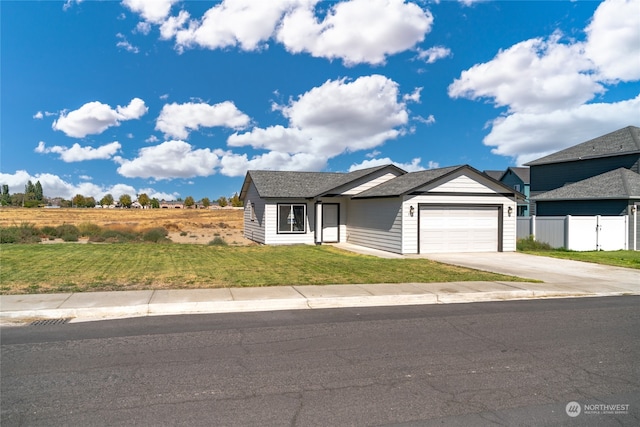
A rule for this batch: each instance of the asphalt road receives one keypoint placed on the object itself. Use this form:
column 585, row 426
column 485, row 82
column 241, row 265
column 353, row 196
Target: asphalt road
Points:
column 504, row 363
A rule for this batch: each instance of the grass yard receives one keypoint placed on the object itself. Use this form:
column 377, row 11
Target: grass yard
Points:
column 109, row 267
column 628, row 259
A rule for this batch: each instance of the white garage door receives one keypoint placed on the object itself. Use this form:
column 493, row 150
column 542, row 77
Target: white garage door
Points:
column 458, row 229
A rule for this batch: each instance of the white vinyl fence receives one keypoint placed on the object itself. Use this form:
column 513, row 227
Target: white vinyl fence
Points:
column 581, row 233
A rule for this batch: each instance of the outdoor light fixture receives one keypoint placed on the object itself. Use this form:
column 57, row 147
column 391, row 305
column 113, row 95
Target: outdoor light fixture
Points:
column 510, row 210
column 411, row 210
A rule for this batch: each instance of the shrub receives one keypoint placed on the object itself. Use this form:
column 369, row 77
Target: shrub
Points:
column 117, row 236
column 67, row 231
column 49, row 231
column 89, row 229
column 218, row 241
column 156, row 235
column 69, row 237
column 24, row 233
column 530, row 244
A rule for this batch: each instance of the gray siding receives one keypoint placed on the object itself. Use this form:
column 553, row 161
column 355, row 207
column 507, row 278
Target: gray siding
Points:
column 376, row 223
column 254, row 224
column 555, row 175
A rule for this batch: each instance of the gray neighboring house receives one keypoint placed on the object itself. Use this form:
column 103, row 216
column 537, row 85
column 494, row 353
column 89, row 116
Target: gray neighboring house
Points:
column 597, row 177
column 454, row 209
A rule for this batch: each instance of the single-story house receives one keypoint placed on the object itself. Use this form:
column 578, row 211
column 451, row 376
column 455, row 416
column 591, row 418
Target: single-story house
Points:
column 453, row 209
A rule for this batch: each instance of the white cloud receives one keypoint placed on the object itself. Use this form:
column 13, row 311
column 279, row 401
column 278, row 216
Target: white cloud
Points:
column 38, row 115
column 153, row 11
column 177, row 120
column 171, row 159
column 414, row 97
column 68, row 3
column 123, row 43
column 95, row 117
column 526, row 136
column 334, row 118
column 428, row 121
column 433, row 54
column 532, row 76
column 77, row 153
column 238, row 164
column 152, row 139
column 613, row 42
column 414, row 166
column 355, row 31
column 158, row 194
column 548, row 86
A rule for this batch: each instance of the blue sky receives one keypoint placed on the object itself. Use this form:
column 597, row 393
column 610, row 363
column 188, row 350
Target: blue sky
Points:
column 180, row 98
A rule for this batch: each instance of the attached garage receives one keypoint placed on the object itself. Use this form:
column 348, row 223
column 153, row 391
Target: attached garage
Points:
column 459, row 228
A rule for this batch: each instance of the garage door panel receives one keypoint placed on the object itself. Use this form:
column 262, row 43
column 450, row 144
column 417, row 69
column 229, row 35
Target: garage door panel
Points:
column 458, row 229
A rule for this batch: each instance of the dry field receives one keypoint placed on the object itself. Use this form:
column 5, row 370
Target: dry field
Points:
column 184, row 225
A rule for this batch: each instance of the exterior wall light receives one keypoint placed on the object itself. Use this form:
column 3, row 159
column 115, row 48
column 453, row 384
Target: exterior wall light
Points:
column 510, row 211
column 412, row 210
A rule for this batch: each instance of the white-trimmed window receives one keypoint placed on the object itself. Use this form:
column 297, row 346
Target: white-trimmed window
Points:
column 291, row 218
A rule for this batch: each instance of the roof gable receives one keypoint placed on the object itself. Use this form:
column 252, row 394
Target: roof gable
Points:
column 522, row 173
column 415, row 181
column 621, row 142
column 616, row 184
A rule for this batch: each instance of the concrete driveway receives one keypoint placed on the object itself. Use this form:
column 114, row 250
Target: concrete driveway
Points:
column 549, row 270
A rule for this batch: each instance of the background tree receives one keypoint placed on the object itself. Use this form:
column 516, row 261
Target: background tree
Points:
column 89, row 202
column 155, row 203
column 222, row 201
column 235, row 201
column 107, row 200
column 5, row 198
column 65, row 203
column 205, row 202
column 78, row 201
column 125, row 200
column 189, row 202
column 144, row 200
column 38, row 191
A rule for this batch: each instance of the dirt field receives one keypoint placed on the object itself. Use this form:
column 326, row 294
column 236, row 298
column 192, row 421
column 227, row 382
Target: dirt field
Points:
column 184, row 225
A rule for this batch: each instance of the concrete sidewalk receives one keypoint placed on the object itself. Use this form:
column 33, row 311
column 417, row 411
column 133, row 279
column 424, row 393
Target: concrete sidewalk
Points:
column 111, row 305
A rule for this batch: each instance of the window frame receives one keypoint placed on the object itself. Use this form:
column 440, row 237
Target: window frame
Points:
column 291, row 207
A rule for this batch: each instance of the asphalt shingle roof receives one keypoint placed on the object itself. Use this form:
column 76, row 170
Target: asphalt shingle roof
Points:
column 522, row 173
column 283, row 184
column 616, row 184
column 494, row 174
column 405, row 183
column 622, row 141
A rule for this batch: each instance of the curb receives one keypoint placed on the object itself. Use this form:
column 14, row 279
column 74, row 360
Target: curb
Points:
column 301, row 303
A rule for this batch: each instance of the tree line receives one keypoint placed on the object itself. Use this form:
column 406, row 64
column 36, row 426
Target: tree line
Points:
column 33, row 196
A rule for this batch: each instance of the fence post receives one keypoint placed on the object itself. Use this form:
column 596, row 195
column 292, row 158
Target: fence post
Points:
column 567, row 228
column 598, row 228
column 533, row 226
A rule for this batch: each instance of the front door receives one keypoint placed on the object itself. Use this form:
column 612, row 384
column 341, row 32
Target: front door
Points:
column 330, row 223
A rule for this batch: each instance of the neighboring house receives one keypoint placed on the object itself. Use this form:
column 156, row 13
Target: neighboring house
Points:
column 494, row 174
column 518, row 179
column 597, row 177
column 164, row 204
column 454, row 209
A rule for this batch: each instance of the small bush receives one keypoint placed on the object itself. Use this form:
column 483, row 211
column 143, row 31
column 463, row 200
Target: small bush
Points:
column 218, row 241
column 89, row 229
column 49, row 231
column 156, row 235
column 24, row 233
column 67, row 231
column 117, row 236
column 69, row 237
column 183, row 233
column 530, row 244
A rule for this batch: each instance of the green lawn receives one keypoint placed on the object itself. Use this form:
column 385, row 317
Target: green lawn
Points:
column 104, row 267
column 629, row 259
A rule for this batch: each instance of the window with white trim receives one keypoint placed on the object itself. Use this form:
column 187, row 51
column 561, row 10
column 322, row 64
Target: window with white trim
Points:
column 291, row 218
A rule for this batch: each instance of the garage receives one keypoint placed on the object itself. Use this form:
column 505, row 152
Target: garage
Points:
column 459, row 228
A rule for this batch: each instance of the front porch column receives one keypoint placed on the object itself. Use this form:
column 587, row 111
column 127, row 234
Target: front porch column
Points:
column 318, row 223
